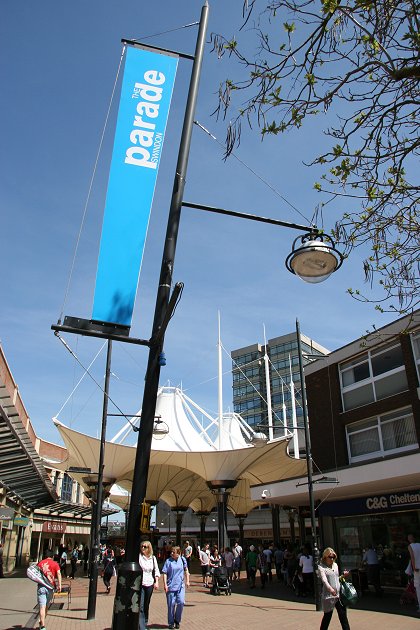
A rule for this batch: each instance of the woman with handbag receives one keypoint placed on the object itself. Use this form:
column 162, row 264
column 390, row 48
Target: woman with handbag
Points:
column 151, row 576
column 330, row 596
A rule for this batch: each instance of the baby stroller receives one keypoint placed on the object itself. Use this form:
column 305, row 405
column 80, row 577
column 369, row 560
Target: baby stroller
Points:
column 221, row 583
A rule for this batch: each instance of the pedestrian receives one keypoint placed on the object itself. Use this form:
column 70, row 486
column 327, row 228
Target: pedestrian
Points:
column 330, row 596
column 215, row 563
column 204, row 557
column 251, row 564
column 85, row 559
column 370, row 558
column 175, row 578
column 292, row 564
column 215, row 559
column 1, row 561
column 278, row 561
column 150, row 579
column 306, row 563
column 228, row 560
column 268, row 552
column 237, row 560
column 108, row 563
column 73, row 562
column 63, row 562
column 51, row 570
column 262, row 565
column 187, row 553
column 414, row 551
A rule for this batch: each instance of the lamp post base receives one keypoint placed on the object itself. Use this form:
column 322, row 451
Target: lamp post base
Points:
column 127, row 596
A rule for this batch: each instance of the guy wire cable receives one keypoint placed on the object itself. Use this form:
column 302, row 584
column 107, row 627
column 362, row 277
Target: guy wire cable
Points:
column 264, row 181
column 65, row 344
column 90, row 187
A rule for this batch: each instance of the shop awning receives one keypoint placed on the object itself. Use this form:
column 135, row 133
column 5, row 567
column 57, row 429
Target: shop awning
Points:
column 22, row 473
column 62, row 508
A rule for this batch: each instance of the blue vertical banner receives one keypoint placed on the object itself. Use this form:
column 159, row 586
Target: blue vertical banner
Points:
column 146, row 93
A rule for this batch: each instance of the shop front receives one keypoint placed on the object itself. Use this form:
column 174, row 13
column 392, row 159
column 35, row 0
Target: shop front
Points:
column 381, row 520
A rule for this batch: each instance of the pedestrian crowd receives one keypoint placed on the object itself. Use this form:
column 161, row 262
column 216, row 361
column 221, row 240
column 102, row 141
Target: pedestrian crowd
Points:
column 290, row 565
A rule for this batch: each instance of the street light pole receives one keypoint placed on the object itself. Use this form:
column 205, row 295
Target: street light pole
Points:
column 309, row 467
column 97, row 506
column 127, row 598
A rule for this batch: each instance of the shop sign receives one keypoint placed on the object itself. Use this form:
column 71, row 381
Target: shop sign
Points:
column 374, row 504
column 6, row 513
column 53, row 527
column 258, row 533
column 23, row 521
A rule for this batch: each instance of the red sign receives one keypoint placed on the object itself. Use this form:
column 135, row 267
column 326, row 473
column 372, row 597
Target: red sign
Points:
column 54, row 527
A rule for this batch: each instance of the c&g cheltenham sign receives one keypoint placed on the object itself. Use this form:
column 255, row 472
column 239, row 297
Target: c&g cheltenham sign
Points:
column 374, row 504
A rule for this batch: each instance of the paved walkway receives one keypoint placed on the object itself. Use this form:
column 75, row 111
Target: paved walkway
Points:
column 273, row 608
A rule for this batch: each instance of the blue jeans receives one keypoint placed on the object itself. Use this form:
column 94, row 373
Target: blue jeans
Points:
column 175, row 601
column 142, row 621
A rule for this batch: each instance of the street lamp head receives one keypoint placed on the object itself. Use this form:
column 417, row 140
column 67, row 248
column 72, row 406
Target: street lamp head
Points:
column 315, row 259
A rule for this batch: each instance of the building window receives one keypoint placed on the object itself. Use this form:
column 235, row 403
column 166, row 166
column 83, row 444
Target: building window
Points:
column 244, row 358
column 415, row 339
column 56, row 478
column 373, row 376
column 66, row 488
column 380, row 436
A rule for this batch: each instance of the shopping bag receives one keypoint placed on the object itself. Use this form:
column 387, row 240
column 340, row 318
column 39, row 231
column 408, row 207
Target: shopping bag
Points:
column 34, row 573
column 348, row 594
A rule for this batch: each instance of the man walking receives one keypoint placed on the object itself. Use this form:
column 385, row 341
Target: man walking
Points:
column 370, row 558
column 51, row 570
column 204, row 557
column 187, row 552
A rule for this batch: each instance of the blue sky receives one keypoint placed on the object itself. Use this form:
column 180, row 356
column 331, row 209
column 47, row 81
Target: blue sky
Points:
column 58, row 63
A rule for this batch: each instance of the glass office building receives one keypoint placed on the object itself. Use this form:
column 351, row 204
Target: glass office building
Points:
column 266, row 383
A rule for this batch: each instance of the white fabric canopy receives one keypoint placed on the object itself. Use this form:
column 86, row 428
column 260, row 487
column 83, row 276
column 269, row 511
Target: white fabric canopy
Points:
column 186, row 459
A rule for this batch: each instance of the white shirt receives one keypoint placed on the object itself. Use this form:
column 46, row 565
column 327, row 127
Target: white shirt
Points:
column 147, row 564
column 307, row 564
column 204, row 558
column 237, row 551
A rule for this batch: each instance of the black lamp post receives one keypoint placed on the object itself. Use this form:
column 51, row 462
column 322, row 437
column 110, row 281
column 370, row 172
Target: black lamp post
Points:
column 127, row 598
column 309, row 469
column 322, row 261
column 94, row 554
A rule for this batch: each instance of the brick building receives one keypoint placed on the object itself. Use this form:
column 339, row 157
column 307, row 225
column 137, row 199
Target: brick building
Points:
column 364, row 415
column 40, row 506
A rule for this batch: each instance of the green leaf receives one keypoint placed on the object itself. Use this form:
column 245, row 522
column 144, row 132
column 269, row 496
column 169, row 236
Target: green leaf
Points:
column 289, row 28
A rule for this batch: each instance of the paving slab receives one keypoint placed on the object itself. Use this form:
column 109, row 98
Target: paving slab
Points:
column 272, row 608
